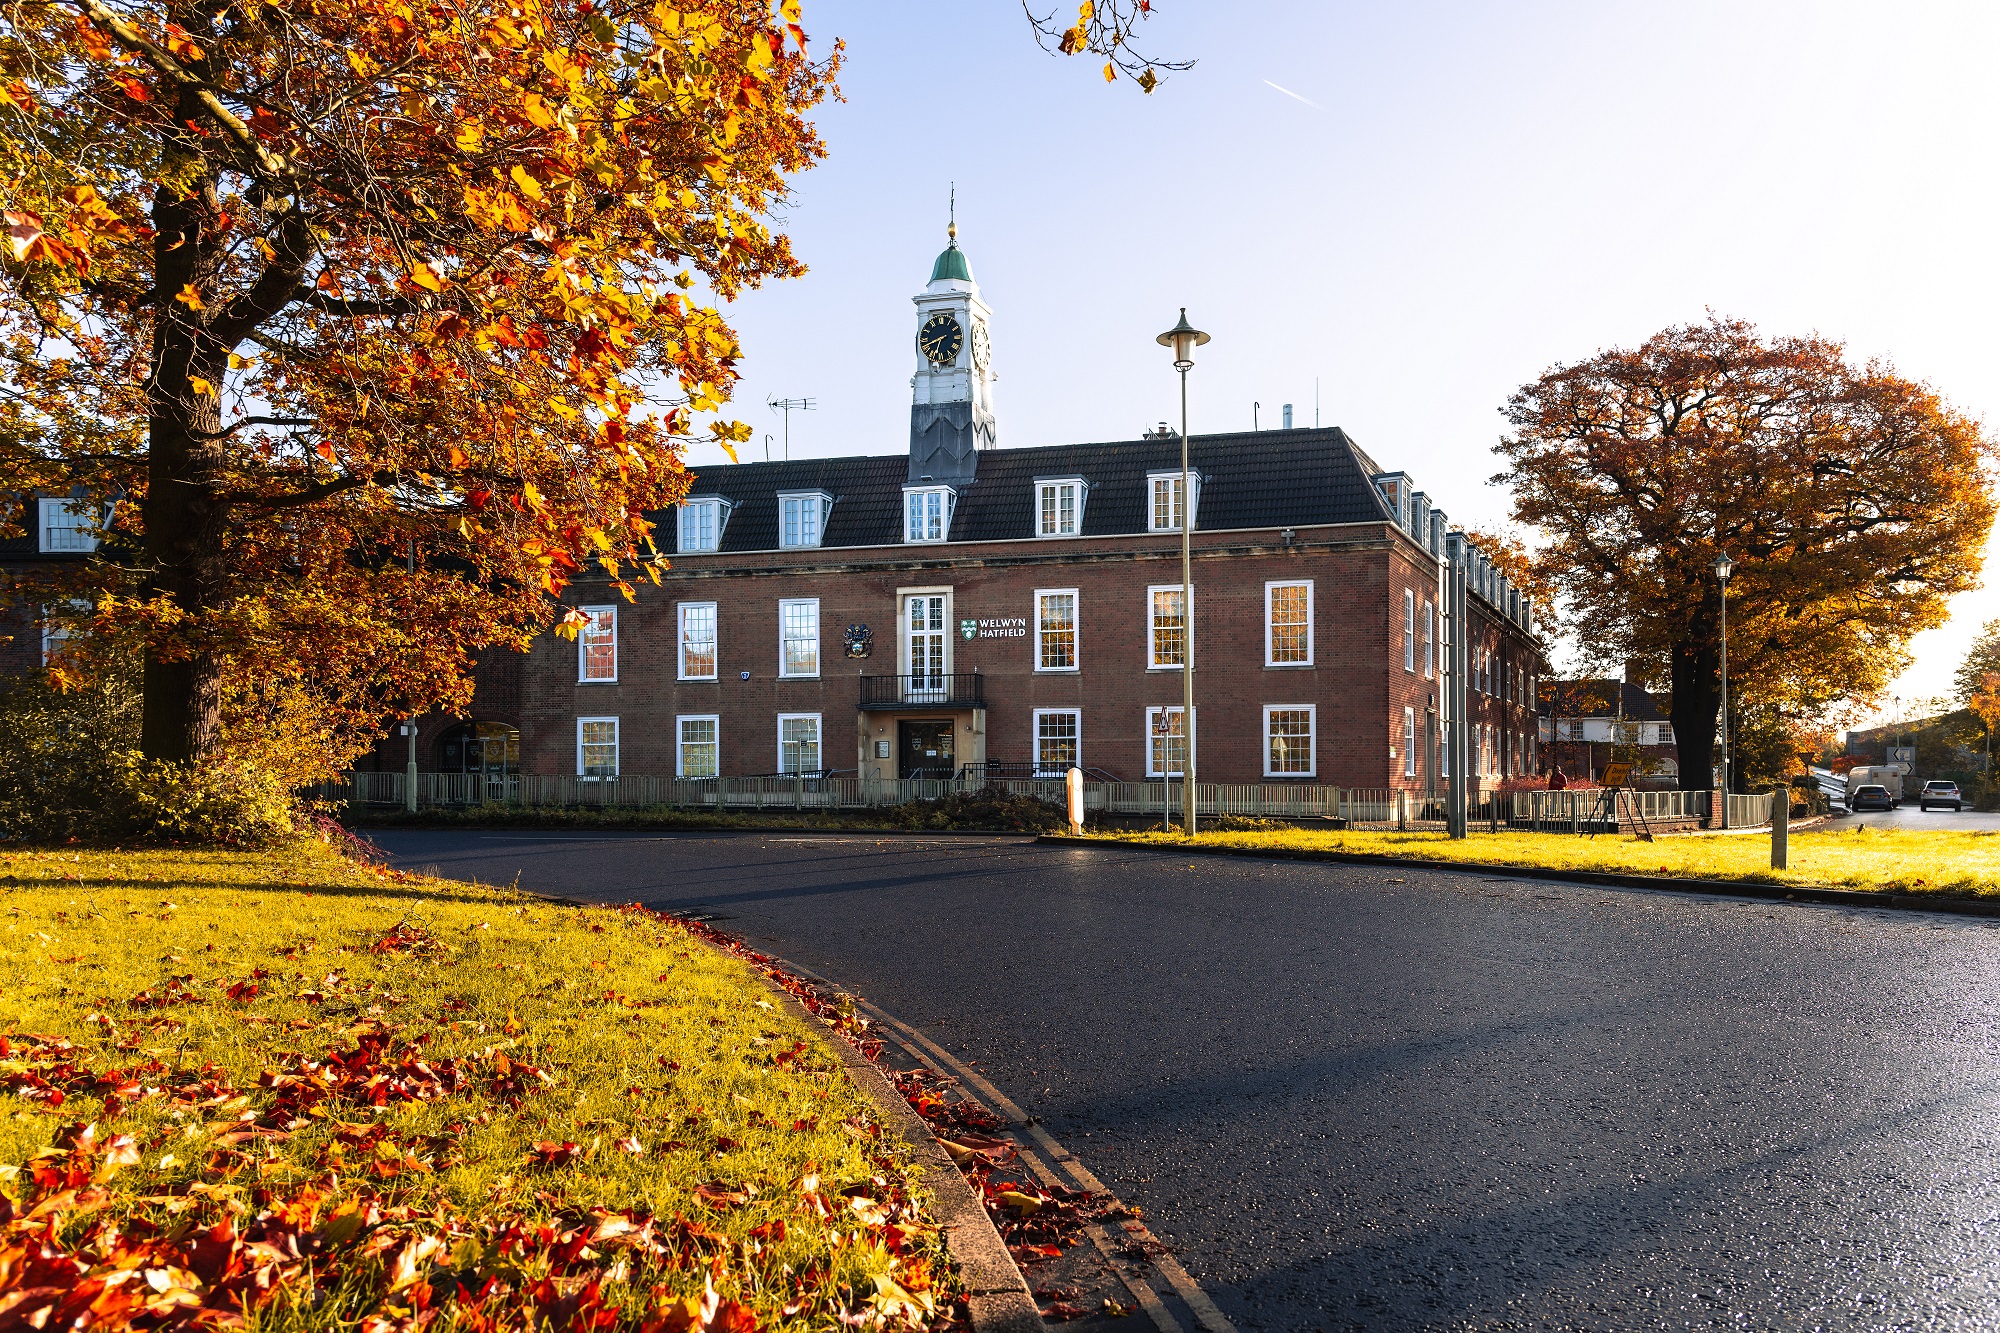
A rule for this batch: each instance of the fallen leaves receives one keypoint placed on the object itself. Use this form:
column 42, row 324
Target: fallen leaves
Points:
column 328, row 1172
column 555, row 1154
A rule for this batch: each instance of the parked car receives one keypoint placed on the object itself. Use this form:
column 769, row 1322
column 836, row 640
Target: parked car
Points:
column 1940, row 792
column 1870, row 796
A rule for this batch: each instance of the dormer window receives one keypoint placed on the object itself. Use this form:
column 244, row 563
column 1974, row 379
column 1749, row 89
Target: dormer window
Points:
column 927, row 513
column 802, row 517
column 1164, row 509
column 702, row 521
column 68, row 526
column 1059, row 506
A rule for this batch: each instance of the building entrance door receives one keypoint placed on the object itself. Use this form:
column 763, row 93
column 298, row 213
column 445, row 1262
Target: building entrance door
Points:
column 925, row 749
column 924, row 630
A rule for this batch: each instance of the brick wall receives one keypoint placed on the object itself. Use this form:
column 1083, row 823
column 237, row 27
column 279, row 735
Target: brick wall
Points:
column 1356, row 683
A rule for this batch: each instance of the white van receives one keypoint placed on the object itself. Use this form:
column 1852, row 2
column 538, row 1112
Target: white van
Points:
column 1884, row 775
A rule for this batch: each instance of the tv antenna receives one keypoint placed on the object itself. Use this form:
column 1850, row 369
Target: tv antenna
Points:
column 788, row 406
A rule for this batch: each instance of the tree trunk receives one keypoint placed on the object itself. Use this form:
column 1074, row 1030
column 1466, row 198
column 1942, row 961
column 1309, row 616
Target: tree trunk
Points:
column 1697, row 677
column 185, row 512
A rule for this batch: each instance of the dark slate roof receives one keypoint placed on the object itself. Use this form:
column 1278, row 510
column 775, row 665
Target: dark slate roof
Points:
column 1251, row 479
column 1598, row 698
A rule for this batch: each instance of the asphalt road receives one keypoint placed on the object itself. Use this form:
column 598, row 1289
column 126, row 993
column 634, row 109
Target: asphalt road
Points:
column 1361, row 1097
column 1909, row 817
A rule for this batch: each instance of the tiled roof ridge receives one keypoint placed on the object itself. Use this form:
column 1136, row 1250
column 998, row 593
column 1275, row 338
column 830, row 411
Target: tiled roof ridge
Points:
column 1298, row 434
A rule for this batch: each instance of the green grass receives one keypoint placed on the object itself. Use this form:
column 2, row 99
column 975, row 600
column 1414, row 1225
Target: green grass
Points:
column 435, row 1088
column 1863, row 857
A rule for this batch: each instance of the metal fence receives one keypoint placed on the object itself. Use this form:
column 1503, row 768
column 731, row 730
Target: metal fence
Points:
column 1359, row 807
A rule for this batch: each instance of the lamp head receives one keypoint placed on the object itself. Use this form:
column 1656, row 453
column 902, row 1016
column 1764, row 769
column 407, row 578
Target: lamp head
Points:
column 1723, row 566
column 1183, row 338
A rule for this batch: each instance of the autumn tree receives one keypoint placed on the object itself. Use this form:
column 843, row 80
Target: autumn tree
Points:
column 1854, row 503
column 374, row 320
column 1981, row 660
column 1522, row 566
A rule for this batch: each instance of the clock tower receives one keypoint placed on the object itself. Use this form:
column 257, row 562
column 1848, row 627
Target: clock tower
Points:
column 951, row 400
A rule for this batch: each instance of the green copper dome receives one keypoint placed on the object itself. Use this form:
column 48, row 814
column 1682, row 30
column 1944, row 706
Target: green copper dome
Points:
column 951, row 264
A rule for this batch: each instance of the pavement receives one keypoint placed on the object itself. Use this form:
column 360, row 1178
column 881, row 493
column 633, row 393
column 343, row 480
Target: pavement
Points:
column 1387, row 1098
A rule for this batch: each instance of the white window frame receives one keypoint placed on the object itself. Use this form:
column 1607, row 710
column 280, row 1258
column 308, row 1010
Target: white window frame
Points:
column 55, row 636
column 1410, row 629
column 947, row 507
column 1430, row 639
column 681, row 641
column 1075, row 630
column 784, row 673
column 1409, row 742
column 1047, row 488
column 597, row 615
column 79, row 514
column 1311, row 770
column 1193, row 739
column 1152, row 506
column 1152, row 646
column 1270, row 643
column 819, row 534
column 719, row 516
column 617, row 757
column 906, row 664
column 1035, row 739
column 819, row 741
column 681, row 743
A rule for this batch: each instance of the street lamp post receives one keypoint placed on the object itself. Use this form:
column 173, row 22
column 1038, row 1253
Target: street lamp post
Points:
column 1184, row 338
column 1723, row 566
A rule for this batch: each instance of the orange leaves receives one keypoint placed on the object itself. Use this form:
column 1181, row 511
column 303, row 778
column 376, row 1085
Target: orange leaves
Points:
column 27, row 239
column 548, row 1154
column 530, row 187
column 86, row 221
column 537, row 111
column 716, row 1194
column 501, row 304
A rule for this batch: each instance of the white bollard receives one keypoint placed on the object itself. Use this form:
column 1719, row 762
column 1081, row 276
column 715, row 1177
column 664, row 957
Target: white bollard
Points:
column 1073, row 789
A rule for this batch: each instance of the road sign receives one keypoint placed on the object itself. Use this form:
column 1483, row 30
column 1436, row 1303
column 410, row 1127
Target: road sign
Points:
column 1616, row 775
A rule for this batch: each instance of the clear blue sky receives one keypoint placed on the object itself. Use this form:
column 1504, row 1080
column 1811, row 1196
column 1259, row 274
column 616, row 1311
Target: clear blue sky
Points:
column 1456, row 197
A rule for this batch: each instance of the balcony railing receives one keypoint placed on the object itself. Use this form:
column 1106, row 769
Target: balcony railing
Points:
column 954, row 689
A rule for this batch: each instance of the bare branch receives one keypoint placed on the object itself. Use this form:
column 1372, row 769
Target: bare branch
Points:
column 226, row 432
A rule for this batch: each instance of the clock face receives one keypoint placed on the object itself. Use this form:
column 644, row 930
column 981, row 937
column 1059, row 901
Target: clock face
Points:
column 939, row 339
column 982, row 350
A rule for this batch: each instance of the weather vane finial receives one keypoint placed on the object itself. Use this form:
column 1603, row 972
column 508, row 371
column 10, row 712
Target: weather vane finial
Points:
column 952, row 229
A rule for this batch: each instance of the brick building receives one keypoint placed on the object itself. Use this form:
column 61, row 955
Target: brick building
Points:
column 59, row 536
column 964, row 604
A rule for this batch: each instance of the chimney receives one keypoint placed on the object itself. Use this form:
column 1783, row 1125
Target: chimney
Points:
column 1635, row 672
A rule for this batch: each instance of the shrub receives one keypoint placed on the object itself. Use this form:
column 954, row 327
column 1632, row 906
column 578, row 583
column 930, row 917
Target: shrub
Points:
column 217, row 801
column 984, row 809
column 1244, row 824
column 70, row 770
